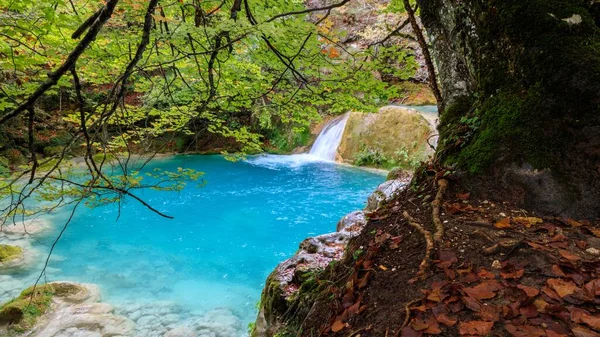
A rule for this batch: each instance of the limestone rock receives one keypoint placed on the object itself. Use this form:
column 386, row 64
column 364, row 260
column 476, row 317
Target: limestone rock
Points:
column 384, row 193
column 26, row 227
column 75, row 312
column 395, row 135
column 314, row 254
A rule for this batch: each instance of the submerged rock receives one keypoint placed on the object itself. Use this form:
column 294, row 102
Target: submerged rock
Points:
column 23, row 228
column 284, row 285
column 9, row 255
column 62, row 309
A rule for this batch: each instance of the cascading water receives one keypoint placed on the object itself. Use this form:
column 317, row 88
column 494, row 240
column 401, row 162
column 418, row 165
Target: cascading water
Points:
column 326, row 145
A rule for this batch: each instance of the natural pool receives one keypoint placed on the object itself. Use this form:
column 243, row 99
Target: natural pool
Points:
column 208, row 265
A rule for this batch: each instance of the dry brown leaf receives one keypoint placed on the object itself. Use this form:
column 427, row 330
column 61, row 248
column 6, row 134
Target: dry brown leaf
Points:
column 530, row 291
column 541, row 305
column 580, row 331
column 529, row 311
column 527, row 221
column 362, row 282
column 463, row 196
column 569, row 255
column 504, row 223
column 484, row 290
column 485, row 274
column 338, row 326
column 562, row 288
column 477, row 328
column 513, row 275
column 574, row 223
column 595, row 231
column 557, row 271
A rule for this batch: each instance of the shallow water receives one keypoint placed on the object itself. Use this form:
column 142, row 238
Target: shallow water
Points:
column 216, row 254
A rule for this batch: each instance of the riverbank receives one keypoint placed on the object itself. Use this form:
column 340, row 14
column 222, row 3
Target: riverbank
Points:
column 497, row 270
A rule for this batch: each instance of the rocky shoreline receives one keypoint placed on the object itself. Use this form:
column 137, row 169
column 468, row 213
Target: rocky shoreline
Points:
column 284, row 287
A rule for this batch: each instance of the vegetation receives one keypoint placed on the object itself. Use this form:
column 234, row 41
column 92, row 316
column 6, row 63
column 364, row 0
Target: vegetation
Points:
column 21, row 313
column 9, row 253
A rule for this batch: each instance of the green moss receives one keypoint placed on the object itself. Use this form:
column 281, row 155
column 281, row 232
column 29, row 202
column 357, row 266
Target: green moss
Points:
column 22, row 312
column 9, row 253
column 393, row 137
column 538, row 82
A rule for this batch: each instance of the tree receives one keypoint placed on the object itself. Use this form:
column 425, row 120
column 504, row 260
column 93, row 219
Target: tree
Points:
column 132, row 76
column 521, row 85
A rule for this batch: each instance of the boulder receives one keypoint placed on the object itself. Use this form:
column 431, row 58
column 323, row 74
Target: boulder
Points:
column 292, row 276
column 9, row 255
column 385, row 192
column 394, row 136
column 62, row 309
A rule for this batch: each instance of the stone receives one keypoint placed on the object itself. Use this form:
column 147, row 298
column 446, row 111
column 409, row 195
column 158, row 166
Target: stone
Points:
column 181, row 332
column 26, row 227
column 352, row 222
column 593, row 251
column 398, row 135
column 384, row 193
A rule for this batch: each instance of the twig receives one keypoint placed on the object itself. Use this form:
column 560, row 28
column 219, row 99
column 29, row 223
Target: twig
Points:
column 437, row 202
column 407, row 310
column 428, row 240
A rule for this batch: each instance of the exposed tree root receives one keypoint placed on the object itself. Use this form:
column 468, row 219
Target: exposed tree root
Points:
column 428, row 240
column 436, row 204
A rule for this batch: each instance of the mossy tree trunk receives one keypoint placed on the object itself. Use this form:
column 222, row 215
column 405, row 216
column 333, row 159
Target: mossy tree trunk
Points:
column 521, row 86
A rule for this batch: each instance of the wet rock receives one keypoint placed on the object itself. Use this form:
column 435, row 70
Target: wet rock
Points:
column 352, row 222
column 23, row 228
column 385, row 192
column 73, row 311
column 9, row 255
column 287, row 279
column 181, row 332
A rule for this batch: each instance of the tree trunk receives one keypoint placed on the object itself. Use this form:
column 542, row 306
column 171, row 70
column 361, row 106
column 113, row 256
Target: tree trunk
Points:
column 521, row 86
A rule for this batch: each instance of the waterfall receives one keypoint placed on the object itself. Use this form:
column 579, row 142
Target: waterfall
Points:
column 326, row 145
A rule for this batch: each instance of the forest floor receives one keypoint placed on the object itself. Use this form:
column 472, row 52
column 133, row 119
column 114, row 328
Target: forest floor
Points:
column 498, row 271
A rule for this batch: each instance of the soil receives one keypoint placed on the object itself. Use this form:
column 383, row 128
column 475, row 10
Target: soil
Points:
column 498, row 271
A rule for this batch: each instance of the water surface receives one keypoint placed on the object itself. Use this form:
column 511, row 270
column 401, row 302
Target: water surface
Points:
column 208, row 264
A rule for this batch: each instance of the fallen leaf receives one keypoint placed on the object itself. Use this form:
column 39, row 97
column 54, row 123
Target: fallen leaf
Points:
column 484, row 290
column 580, row 331
column 338, row 326
column 557, row 271
column 595, row 231
column 550, row 333
column 362, row 282
column 477, row 328
column 568, row 255
column 408, row 332
column 489, row 313
column 463, row 196
column 524, row 330
column 574, row 223
column 512, row 275
column 530, row 291
column 527, row 221
column 485, row 274
column 529, row 311
column 504, row 223
column 562, row 288
column 472, row 303
column 540, row 305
